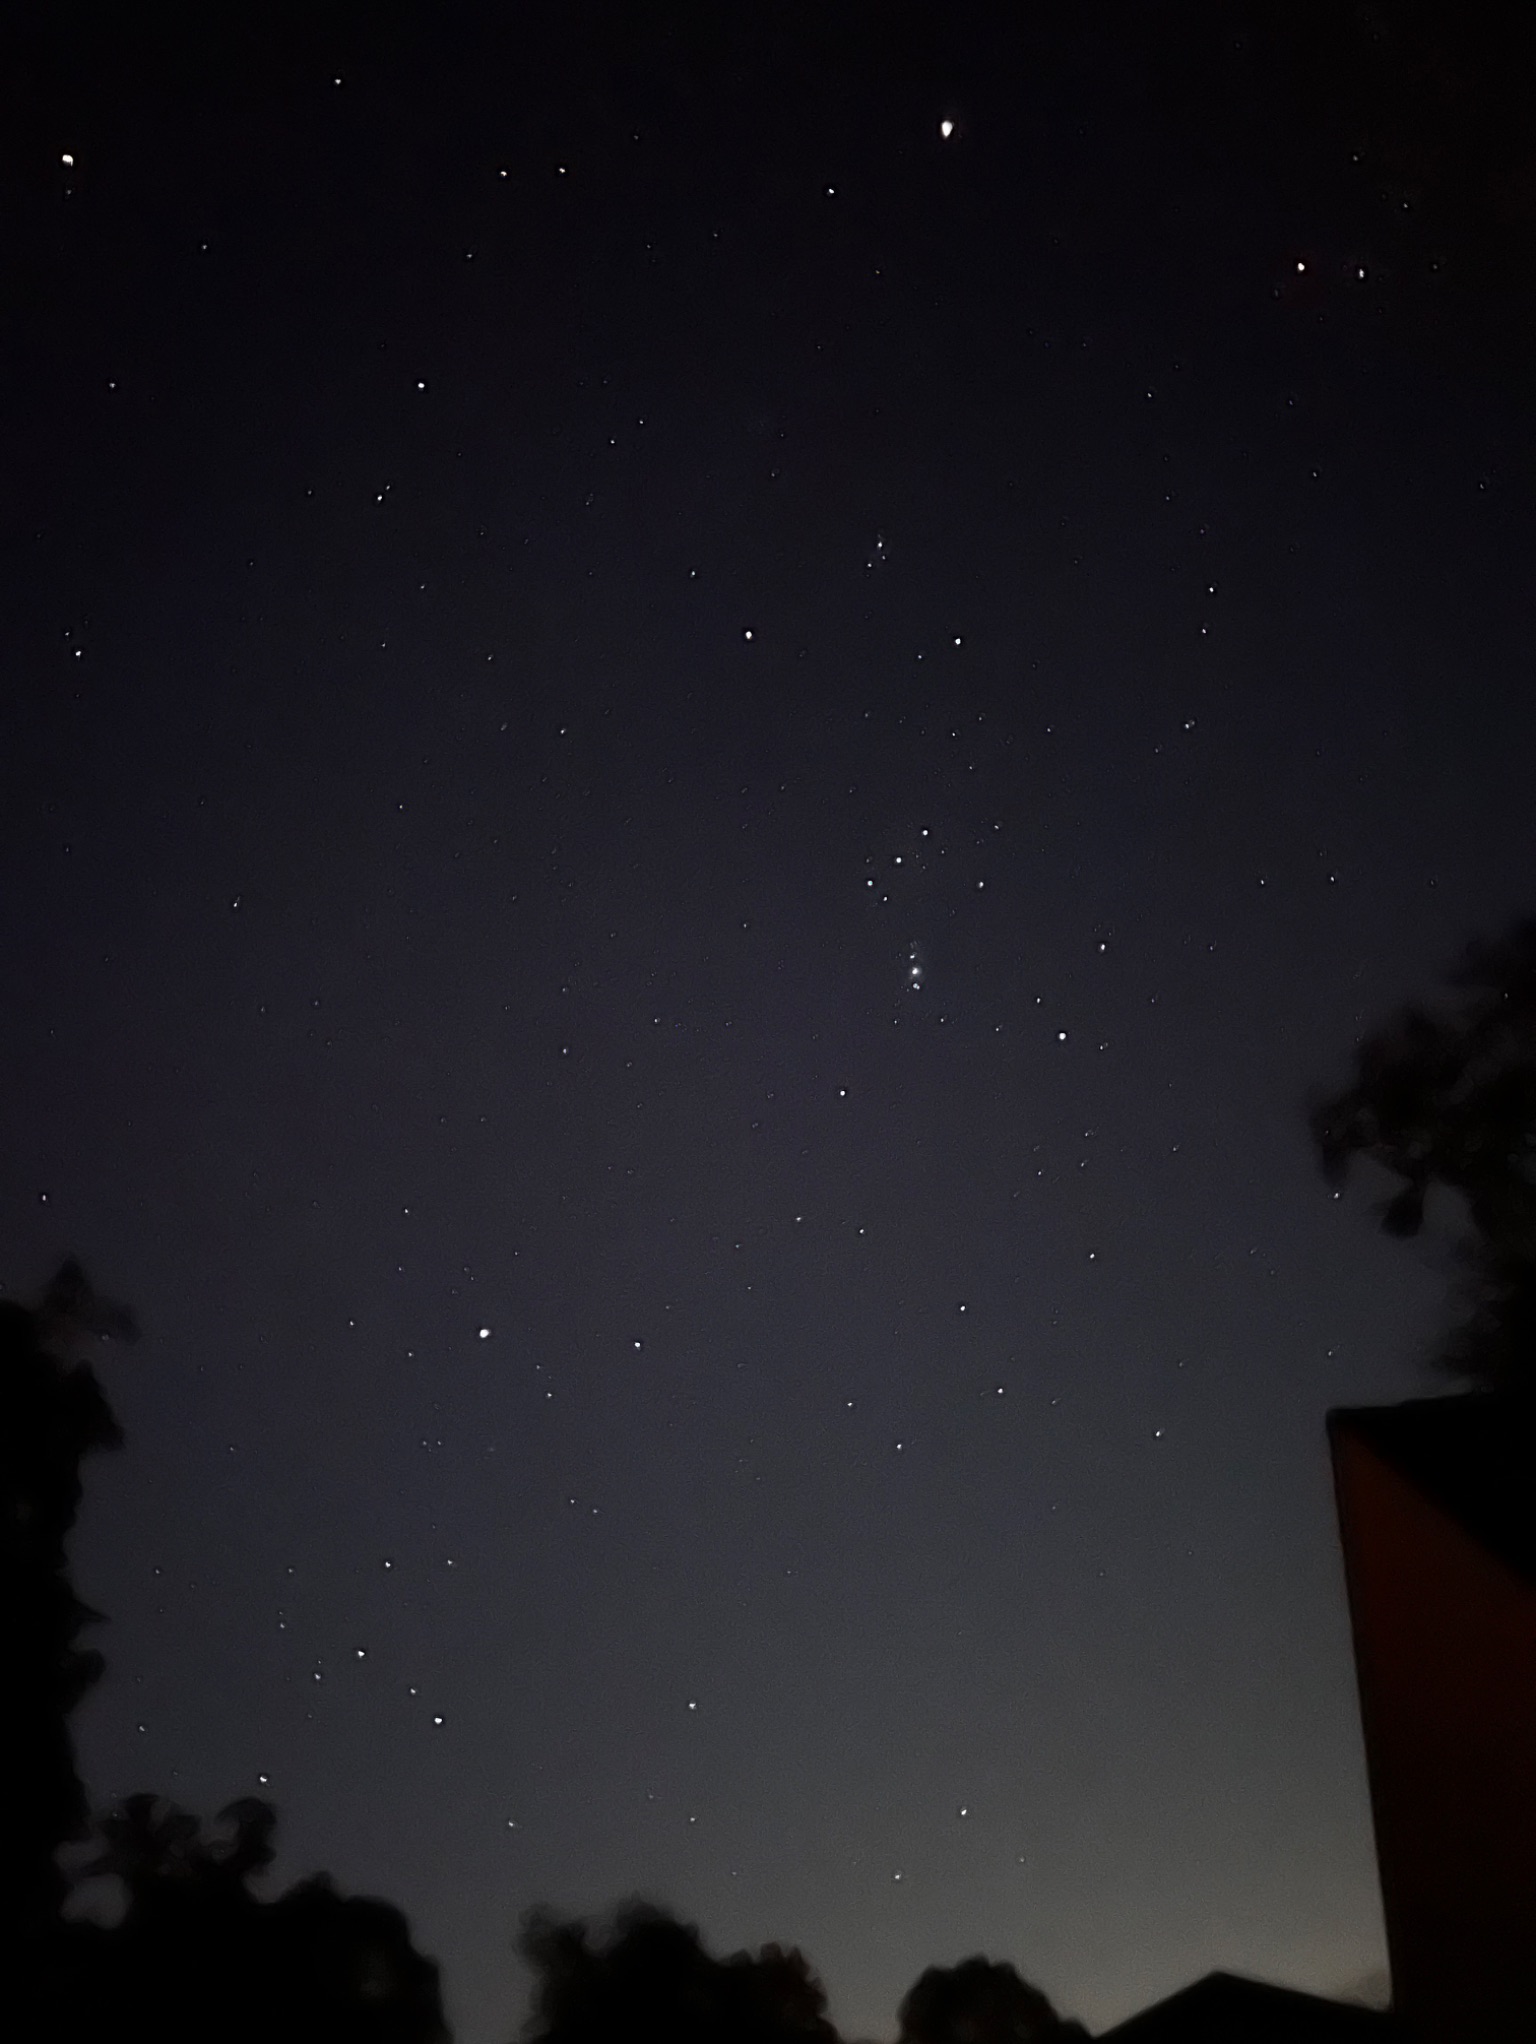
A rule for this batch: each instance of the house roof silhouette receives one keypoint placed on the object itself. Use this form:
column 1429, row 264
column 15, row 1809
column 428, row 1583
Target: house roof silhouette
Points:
column 1437, row 1526
column 1437, row 1523
column 1226, row 2009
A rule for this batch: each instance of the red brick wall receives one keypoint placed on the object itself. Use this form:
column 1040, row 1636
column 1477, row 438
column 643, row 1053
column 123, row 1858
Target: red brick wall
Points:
column 1445, row 1648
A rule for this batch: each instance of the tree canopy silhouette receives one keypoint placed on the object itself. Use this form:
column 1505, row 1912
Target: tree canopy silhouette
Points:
column 649, row 1980
column 196, row 1953
column 1448, row 1100
column 55, row 1414
column 980, row 2001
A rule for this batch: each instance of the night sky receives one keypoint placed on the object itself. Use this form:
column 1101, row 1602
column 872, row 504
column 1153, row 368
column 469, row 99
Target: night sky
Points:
column 708, row 718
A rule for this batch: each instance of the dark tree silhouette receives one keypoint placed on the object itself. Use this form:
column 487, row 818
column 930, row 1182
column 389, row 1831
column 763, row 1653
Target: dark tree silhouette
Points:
column 54, row 1415
column 980, row 2001
column 649, row 1980
column 196, row 1954
column 1448, row 1100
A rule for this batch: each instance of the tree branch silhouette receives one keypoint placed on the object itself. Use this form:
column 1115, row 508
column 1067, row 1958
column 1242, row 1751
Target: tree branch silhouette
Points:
column 1446, row 1103
column 197, row 1953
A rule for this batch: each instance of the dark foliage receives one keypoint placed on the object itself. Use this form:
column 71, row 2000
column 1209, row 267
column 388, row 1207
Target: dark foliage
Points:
column 196, row 1954
column 1449, row 1101
column 980, row 2001
column 650, row 1978
column 54, row 1415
